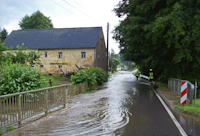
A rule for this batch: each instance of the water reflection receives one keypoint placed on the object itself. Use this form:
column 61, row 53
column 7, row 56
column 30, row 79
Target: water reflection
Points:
column 190, row 124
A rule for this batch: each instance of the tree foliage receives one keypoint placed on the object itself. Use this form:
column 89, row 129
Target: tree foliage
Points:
column 18, row 78
column 23, row 56
column 3, row 34
column 36, row 20
column 114, row 63
column 2, row 48
column 161, row 34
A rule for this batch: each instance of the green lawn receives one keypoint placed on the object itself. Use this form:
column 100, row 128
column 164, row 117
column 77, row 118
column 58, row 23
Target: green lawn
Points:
column 55, row 78
column 190, row 107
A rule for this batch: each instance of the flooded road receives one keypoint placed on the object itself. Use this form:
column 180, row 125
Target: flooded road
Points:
column 123, row 106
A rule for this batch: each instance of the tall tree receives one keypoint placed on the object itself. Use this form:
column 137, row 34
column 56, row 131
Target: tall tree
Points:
column 36, row 20
column 3, row 34
column 161, row 34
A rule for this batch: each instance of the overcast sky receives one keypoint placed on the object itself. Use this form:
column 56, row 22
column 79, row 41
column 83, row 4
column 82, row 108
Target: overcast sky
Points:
column 63, row 13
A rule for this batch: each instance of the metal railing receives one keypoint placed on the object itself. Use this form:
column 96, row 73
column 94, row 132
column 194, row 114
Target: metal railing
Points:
column 144, row 77
column 175, row 85
column 20, row 106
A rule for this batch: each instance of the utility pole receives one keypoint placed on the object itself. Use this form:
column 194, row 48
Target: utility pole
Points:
column 107, row 46
column 112, row 53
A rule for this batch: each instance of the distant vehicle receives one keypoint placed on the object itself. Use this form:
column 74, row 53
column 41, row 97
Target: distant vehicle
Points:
column 125, row 69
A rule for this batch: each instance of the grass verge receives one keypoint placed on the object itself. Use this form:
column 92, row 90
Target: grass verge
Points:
column 55, row 78
column 161, row 86
column 190, row 107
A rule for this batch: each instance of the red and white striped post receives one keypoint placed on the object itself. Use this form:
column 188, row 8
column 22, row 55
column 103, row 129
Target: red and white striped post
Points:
column 183, row 92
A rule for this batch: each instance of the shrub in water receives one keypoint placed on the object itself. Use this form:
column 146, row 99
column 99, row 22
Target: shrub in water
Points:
column 90, row 75
column 83, row 76
column 18, row 78
column 100, row 74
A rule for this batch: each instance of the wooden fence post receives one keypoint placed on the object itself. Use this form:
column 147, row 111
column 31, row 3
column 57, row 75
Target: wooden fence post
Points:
column 65, row 95
column 19, row 110
column 46, row 101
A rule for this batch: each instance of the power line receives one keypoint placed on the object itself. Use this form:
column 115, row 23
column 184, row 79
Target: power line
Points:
column 64, row 8
column 80, row 10
column 75, row 8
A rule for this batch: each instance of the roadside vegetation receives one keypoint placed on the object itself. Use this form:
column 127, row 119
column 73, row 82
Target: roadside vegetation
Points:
column 161, row 86
column 7, row 129
column 190, row 108
column 18, row 78
column 164, row 37
column 91, row 76
column 118, row 59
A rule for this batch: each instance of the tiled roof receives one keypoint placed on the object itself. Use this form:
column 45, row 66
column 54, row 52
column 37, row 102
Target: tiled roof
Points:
column 56, row 38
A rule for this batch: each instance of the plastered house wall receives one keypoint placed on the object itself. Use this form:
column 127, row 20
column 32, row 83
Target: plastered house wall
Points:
column 101, row 53
column 70, row 58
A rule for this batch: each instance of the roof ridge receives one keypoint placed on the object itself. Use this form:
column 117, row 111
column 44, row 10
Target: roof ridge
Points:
column 57, row 28
column 49, row 38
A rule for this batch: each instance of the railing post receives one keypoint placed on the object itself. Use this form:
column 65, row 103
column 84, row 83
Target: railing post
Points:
column 19, row 109
column 195, row 93
column 65, row 95
column 46, row 101
column 174, row 86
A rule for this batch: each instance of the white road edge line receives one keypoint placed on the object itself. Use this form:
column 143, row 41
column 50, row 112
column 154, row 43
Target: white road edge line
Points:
column 183, row 133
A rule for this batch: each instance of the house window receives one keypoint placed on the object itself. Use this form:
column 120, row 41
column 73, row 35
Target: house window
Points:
column 83, row 54
column 59, row 55
column 59, row 66
column 45, row 54
column 33, row 65
column 41, row 66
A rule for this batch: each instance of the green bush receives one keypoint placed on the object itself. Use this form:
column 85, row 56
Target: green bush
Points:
column 90, row 75
column 18, row 78
column 83, row 76
column 100, row 74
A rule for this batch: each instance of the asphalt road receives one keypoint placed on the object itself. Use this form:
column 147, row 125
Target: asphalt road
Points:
column 122, row 106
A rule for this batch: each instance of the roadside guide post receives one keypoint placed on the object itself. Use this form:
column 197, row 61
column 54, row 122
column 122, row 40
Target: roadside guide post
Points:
column 183, row 92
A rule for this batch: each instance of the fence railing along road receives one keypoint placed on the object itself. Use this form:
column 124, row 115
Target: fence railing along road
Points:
column 17, row 107
column 14, row 108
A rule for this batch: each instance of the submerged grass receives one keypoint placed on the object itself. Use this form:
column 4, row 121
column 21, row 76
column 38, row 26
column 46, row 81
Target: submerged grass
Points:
column 10, row 128
column 190, row 107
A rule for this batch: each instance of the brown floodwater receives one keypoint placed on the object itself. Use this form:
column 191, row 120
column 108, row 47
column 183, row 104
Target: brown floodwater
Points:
column 121, row 106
